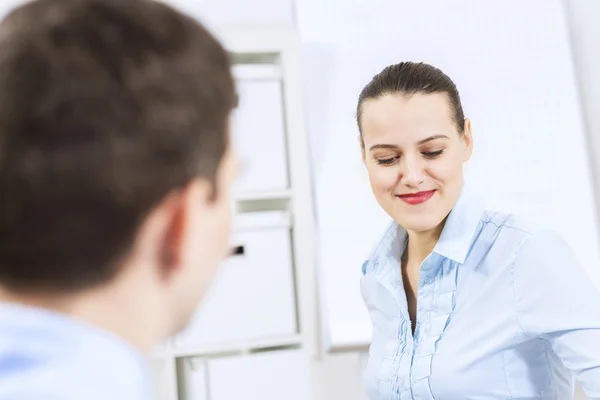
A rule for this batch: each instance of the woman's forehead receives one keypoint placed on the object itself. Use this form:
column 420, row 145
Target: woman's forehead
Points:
column 406, row 118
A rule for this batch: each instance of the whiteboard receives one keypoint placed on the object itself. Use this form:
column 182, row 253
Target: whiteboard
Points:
column 511, row 62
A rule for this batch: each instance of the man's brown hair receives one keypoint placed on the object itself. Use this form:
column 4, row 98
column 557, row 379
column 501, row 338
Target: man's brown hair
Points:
column 106, row 106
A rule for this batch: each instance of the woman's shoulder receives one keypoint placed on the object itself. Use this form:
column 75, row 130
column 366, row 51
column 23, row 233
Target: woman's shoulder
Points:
column 509, row 225
column 509, row 221
column 516, row 234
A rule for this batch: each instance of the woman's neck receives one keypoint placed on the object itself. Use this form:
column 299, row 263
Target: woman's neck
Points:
column 421, row 244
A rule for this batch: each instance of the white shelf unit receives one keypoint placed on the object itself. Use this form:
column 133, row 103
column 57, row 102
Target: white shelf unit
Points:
column 260, row 316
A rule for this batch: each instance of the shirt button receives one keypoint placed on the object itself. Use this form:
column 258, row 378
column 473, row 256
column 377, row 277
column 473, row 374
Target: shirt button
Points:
column 428, row 280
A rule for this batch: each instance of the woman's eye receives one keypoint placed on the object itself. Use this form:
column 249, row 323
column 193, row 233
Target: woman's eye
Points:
column 386, row 161
column 433, row 154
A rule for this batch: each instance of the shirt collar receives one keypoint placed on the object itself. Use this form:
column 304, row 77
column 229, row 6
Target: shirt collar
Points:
column 461, row 227
column 391, row 245
column 455, row 240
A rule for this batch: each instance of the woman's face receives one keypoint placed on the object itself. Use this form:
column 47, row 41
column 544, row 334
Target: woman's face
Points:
column 414, row 156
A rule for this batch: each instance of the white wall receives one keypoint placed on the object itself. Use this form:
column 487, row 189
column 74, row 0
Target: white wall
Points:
column 239, row 12
column 585, row 42
column 222, row 12
column 8, row 5
column 582, row 17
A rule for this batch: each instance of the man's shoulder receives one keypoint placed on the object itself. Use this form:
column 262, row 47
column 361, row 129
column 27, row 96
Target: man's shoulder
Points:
column 58, row 383
column 49, row 356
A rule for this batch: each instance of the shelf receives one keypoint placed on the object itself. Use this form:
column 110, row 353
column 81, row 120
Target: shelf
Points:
column 260, row 220
column 264, row 58
column 285, row 194
column 232, row 348
column 246, row 72
column 240, row 40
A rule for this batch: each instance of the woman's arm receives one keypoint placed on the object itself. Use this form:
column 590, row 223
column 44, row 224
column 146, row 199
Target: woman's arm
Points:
column 556, row 300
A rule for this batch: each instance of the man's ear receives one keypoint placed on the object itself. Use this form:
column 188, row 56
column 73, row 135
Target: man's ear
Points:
column 158, row 236
column 170, row 223
column 179, row 209
column 170, row 248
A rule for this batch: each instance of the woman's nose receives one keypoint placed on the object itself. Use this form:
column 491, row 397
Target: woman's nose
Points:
column 412, row 171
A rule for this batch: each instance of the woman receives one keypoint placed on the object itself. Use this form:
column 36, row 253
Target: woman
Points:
column 465, row 303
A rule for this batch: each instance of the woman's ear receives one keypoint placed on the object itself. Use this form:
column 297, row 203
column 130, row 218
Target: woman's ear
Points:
column 467, row 138
column 361, row 143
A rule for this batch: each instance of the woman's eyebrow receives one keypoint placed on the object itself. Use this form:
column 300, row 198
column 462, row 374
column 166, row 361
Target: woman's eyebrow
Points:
column 394, row 147
column 430, row 138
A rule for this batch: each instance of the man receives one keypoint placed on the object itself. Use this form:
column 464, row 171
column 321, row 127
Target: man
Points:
column 115, row 171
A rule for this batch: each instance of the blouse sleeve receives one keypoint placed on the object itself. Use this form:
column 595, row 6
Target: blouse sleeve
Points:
column 556, row 300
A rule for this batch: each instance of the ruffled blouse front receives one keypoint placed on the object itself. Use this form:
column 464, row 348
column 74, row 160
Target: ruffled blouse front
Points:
column 504, row 311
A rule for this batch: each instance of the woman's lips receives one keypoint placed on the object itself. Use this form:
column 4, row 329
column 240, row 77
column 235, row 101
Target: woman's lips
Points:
column 417, row 198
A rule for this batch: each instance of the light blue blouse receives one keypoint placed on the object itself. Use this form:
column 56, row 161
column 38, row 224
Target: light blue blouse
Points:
column 504, row 311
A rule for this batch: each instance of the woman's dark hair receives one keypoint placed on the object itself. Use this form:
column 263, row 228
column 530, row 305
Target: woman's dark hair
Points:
column 408, row 78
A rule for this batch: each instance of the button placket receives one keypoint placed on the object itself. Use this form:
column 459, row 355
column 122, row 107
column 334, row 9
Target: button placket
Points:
column 435, row 308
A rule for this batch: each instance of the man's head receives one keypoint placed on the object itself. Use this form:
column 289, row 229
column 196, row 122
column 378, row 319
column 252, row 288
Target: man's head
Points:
column 115, row 164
